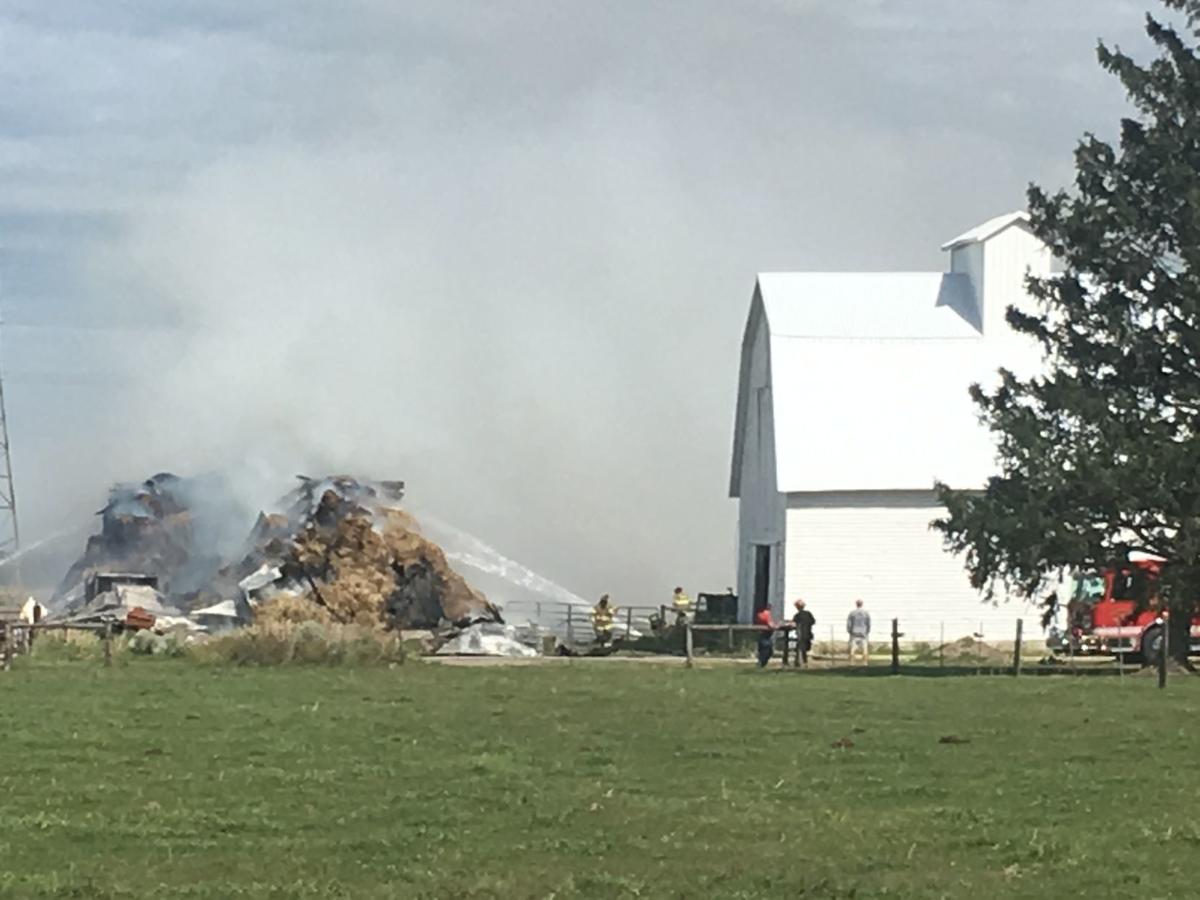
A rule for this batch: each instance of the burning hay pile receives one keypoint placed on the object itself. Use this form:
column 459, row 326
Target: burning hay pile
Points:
column 345, row 552
column 341, row 551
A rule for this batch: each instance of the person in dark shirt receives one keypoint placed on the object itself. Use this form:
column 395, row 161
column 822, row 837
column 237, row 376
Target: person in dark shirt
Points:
column 804, row 621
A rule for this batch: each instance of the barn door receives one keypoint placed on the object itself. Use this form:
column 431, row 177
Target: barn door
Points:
column 762, row 576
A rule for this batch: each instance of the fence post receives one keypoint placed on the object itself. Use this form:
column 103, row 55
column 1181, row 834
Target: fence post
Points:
column 1162, row 657
column 6, row 636
column 832, row 648
column 570, row 626
column 1017, row 649
column 942, row 648
column 979, row 651
column 108, row 632
column 895, row 646
column 687, row 643
column 729, row 633
column 629, row 624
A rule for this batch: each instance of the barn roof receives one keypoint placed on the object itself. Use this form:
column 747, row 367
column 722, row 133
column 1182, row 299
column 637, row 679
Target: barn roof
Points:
column 883, row 305
column 988, row 229
column 870, row 376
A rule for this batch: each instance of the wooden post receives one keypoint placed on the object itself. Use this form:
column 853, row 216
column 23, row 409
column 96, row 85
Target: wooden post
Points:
column 629, row 623
column 687, row 643
column 729, row 632
column 570, row 626
column 108, row 631
column 1162, row 657
column 6, row 636
column 979, row 651
column 1017, row 649
column 895, row 646
column 942, row 648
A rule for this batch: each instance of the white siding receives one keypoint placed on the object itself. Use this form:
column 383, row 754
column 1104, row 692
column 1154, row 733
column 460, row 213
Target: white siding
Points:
column 878, row 546
column 1007, row 259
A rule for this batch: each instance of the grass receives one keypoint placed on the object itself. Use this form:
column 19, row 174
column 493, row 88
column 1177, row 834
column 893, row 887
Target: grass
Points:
column 163, row 778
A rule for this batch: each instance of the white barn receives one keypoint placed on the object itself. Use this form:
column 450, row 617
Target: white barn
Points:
column 852, row 399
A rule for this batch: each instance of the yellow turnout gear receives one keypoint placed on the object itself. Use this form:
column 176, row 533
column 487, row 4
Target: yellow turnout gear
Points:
column 602, row 617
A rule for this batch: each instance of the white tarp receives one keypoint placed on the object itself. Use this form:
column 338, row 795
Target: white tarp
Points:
column 487, row 639
column 226, row 609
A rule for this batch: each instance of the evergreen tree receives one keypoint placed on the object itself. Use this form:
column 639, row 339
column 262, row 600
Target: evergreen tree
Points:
column 1100, row 455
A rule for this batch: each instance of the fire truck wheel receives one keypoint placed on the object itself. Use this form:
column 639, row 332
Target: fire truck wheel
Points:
column 1152, row 645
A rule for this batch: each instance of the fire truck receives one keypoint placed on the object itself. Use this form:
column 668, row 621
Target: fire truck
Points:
column 1118, row 612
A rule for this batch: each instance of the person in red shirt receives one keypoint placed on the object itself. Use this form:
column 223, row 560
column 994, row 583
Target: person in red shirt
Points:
column 766, row 639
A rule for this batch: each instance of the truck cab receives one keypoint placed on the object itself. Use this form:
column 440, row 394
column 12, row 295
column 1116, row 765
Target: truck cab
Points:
column 1118, row 612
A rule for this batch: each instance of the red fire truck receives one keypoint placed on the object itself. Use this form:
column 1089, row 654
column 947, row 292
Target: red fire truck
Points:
column 1118, row 612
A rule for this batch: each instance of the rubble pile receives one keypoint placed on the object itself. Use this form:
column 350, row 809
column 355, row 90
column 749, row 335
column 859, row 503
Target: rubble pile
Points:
column 125, row 598
column 341, row 550
column 150, row 529
column 344, row 551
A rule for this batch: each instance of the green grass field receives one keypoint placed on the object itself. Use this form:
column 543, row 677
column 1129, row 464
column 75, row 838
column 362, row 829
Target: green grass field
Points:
column 163, row 778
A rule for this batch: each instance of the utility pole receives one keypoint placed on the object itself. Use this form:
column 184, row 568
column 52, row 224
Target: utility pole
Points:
column 10, row 532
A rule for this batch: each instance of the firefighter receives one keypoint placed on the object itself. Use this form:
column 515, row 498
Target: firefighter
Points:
column 603, row 614
column 682, row 604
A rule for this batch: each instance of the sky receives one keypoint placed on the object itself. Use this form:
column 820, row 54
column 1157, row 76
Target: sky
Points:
column 503, row 252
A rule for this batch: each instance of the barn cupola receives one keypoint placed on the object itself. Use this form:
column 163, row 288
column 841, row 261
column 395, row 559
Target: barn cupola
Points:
column 995, row 258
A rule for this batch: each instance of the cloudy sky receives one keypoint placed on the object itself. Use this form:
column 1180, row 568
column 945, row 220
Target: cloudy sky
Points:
column 503, row 251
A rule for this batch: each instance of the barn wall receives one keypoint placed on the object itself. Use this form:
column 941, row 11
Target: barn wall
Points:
column 878, row 546
column 1007, row 258
column 760, row 506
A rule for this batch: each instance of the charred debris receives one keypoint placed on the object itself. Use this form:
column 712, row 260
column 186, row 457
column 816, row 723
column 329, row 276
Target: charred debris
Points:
column 336, row 550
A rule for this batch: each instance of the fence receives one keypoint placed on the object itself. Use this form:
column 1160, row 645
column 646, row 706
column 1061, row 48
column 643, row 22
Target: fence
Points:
column 892, row 646
column 1012, row 657
column 930, row 639
column 18, row 637
column 573, row 622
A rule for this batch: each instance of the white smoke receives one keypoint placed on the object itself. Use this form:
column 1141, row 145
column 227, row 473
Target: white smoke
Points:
column 500, row 251
column 352, row 312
